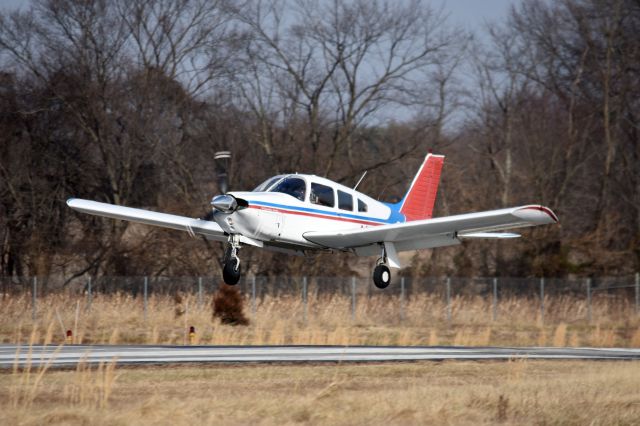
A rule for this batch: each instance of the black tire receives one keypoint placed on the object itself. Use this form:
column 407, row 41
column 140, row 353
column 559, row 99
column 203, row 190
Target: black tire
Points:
column 381, row 276
column 231, row 272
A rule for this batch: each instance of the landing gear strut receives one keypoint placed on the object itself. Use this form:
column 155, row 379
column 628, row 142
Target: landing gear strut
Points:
column 231, row 268
column 381, row 273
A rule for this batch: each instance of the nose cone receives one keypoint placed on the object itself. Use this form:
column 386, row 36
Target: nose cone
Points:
column 224, row 203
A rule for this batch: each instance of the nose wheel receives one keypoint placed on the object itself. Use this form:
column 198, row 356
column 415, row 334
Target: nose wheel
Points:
column 231, row 262
column 231, row 271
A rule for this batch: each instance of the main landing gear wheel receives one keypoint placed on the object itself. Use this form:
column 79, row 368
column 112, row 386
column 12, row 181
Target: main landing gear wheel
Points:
column 381, row 276
column 231, row 271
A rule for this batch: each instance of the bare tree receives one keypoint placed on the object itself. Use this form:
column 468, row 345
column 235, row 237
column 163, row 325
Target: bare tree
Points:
column 124, row 75
column 338, row 65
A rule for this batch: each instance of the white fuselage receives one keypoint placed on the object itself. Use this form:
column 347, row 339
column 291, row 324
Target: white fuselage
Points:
column 283, row 218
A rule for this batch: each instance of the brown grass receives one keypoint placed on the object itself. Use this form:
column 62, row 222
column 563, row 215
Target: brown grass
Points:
column 119, row 318
column 515, row 392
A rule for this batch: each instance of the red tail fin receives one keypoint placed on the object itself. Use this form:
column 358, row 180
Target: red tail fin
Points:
column 419, row 201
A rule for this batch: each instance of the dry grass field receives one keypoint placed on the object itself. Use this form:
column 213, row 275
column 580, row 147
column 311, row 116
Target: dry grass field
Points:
column 514, row 392
column 120, row 318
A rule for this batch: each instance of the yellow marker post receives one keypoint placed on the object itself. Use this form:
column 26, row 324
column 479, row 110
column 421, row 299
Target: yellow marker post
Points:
column 192, row 335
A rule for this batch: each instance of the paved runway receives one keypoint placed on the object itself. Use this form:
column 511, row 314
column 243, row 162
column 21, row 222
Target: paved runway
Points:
column 70, row 355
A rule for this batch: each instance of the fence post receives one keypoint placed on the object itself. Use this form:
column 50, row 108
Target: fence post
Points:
column 89, row 294
column 542, row 299
column 199, row 292
column 353, row 298
column 402, row 298
column 34, row 296
column 146, row 284
column 304, row 299
column 253, row 296
column 638, row 292
column 449, row 300
column 495, row 298
column 589, row 299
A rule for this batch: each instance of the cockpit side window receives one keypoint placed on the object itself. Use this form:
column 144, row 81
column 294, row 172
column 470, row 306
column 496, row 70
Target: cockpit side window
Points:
column 362, row 206
column 322, row 195
column 293, row 186
column 264, row 186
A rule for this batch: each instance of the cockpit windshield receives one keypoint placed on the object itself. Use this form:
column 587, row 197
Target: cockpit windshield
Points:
column 264, row 186
column 293, row 186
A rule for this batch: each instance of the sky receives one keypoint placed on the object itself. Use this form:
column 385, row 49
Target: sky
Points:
column 472, row 14
column 468, row 13
column 12, row 4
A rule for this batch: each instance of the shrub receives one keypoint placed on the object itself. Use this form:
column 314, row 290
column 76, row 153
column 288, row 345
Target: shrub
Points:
column 227, row 305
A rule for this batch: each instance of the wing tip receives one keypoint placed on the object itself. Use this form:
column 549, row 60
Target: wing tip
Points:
column 547, row 211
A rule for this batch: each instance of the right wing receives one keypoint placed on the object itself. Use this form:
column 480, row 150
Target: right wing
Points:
column 438, row 232
column 210, row 230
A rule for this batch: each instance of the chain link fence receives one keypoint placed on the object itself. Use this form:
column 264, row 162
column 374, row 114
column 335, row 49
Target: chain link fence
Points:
column 544, row 291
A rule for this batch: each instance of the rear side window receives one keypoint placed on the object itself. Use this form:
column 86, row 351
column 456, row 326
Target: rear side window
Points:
column 322, row 195
column 345, row 201
column 362, row 206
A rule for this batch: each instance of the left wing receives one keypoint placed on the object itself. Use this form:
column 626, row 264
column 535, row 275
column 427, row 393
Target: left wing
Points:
column 429, row 233
column 210, row 230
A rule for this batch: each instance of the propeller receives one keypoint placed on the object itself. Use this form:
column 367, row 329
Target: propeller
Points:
column 224, row 203
column 222, row 159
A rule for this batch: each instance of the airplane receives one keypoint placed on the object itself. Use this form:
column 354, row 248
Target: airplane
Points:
column 301, row 213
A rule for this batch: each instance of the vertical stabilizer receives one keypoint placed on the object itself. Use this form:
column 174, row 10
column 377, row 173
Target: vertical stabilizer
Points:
column 421, row 197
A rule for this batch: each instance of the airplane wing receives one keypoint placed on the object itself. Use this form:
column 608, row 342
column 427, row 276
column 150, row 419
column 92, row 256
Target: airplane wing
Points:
column 210, row 230
column 438, row 232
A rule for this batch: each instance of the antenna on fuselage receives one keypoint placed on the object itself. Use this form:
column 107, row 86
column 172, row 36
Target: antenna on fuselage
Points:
column 360, row 180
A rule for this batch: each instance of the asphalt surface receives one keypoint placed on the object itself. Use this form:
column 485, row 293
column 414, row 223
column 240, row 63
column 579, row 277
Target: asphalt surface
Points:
column 70, row 355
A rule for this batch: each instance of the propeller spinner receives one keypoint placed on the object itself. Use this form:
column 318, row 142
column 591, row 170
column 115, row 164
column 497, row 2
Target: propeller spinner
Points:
column 225, row 203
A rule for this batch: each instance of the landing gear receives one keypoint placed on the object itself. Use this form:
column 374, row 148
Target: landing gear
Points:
column 381, row 273
column 231, row 268
column 231, row 271
column 381, row 276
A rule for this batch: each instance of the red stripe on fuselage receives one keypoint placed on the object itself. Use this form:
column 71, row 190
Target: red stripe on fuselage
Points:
column 299, row 213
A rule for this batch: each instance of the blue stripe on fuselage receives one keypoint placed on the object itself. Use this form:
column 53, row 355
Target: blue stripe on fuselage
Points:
column 393, row 218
